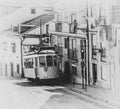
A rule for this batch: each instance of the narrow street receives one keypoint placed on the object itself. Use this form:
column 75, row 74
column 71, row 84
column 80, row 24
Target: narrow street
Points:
column 22, row 94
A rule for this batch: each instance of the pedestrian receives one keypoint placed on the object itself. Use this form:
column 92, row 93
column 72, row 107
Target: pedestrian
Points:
column 75, row 26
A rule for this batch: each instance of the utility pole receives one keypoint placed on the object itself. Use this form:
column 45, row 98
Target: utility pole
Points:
column 85, row 66
column 82, row 63
column 88, row 44
column 21, row 50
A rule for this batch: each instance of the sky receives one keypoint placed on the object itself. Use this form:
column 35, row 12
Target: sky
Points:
column 60, row 3
column 55, row 1
column 25, row 1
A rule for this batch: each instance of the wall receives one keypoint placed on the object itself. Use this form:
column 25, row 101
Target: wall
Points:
column 8, row 57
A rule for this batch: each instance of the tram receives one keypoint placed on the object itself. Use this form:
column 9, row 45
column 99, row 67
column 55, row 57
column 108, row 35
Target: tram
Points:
column 42, row 65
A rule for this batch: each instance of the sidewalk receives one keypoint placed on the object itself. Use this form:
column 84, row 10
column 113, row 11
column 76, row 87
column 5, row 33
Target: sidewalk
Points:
column 96, row 93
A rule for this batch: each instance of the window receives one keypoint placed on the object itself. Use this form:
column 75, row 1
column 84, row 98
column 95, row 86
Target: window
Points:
column 33, row 11
column 47, row 28
column 42, row 61
column 73, row 50
column 103, row 73
column 6, row 69
column 13, row 47
column 103, row 55
column 94, row 45
column 58, row 27
column 55, row 60
column 18, row 68
column 15, row 28
column 66, row 17
column 28, row 63
column 49, row 60
column 59, row 16
column 59, row 40
column 60, row 46
column 74, row 70
column 66, row 42
column 74, row 44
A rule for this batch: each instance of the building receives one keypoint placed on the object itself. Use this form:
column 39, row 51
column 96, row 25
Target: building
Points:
column 12, row 27
column 101, row 51
column 104, row 50
column 10, row 57
column 69, row 44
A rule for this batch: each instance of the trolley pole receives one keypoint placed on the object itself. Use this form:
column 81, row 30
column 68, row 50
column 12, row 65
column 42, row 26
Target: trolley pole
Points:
column 40, row 38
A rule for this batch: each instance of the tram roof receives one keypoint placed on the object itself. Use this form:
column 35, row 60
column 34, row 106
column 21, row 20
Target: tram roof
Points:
column 36, row 55
column 43, row 53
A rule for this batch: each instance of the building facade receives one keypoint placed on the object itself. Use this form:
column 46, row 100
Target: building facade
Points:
column 10, row 58
column 102, row 57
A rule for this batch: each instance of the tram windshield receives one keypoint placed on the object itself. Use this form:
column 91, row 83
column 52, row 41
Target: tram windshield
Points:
column 28, row 63
column 49, row 60
column 42, row 61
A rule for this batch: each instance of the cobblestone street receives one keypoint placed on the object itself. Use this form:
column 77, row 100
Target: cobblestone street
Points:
column 28, row 95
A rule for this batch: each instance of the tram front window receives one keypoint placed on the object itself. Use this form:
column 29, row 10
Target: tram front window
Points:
column 55, row 60
column 42, row 61
column 28, row 63
column 49, row 60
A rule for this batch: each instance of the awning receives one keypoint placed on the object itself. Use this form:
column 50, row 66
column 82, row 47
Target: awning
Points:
column 62, row 34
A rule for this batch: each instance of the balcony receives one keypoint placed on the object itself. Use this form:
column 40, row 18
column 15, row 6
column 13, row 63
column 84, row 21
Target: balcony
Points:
column 73, row 54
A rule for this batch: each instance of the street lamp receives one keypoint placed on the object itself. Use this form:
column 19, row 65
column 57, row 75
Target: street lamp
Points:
column 21, row 41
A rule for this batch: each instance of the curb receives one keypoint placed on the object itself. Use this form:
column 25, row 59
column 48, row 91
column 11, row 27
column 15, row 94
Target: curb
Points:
column 91, row 99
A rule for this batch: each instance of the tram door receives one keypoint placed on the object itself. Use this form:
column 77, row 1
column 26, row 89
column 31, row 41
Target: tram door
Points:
column 94, row 67
column 36, row 65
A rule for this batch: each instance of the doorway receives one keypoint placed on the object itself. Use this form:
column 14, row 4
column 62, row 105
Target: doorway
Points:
column 11, row 64
column 5, row 69
column 94, row 67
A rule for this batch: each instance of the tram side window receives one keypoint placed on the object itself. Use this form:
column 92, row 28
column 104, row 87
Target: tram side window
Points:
column 55, row 60
column 28, row 63
column 42, row 61
column 49, row 60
